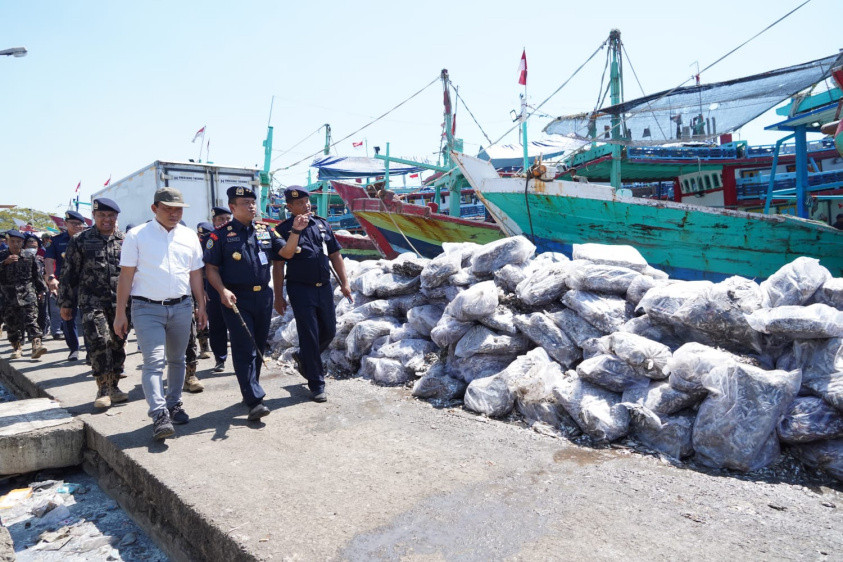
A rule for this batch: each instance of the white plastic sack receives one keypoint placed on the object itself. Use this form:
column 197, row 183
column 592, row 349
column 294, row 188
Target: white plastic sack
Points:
column 639, row 287
column 468, row 369
column 540, row 328
column 440, row 269
column 809, row 418
column 363, row 335
column 610, row 373
column 494, row 255
column 389, row 372
column 794, row 283
column 408, row 264
column 449, row 330
column 619, row 255
column 436, row 386
column 463, row 278
column 661, row 302
column 596, row 411
column 605, row 313
column 424, row 318
column 646, row 356
column 661, row 398
column 534, row 397
column 600, row 278
column 817, row 321
column 474, row 303
column 509, row 276
column 479, row 340
column 830, row 293
column 409, row 352
column 543, row 285
column 670, row 435
column 577, row 329
column 735, row 422
column 641, row 326
column 821, row 362
column 490, row 396
column 825, row 455
column 691, row 362
column 502, row 321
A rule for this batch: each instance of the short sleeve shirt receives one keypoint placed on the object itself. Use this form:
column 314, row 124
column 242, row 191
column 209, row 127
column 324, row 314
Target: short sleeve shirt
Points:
column 243, row 253
column 310, row 263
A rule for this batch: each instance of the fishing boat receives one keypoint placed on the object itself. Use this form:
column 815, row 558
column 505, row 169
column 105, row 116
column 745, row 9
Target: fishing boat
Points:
column 686, row 241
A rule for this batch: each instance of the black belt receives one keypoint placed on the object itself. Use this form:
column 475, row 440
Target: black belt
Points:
column 251, row 288
column 308, row 283
column 167, row 302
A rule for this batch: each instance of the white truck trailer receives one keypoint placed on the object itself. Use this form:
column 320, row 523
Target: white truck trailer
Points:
column 203, row 187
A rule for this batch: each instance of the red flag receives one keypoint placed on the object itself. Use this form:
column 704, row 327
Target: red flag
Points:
column 200, row 132
column 414, row 175
column 108, row 181
column 78, row 185
column 522, row 69
column 357, row 144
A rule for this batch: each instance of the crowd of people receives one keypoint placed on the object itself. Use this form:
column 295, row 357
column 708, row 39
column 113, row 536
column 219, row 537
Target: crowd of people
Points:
column 185, row 293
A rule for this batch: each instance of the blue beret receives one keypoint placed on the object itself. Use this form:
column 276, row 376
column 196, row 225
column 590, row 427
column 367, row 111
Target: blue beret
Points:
column 34, row 237
column 217, row 211
column 240, row 191
column 15, row 234
column 74, row 216
column 105, row 204
column 204, row 228
column 294, row 193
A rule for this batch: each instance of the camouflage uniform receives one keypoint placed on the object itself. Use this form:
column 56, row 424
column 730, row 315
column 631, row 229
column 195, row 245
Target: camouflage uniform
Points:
column 92, row 265
column 20, row 284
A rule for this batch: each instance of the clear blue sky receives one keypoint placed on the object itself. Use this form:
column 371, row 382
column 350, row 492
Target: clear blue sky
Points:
column 109, row 87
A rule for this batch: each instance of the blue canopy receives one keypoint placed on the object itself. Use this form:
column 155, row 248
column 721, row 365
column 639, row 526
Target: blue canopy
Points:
column 352, row 167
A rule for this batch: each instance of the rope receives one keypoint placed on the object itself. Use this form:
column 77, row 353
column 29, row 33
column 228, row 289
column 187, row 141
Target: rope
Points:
column 643, row 93
column 389, row 214
column 370, row 123
column 472, row 116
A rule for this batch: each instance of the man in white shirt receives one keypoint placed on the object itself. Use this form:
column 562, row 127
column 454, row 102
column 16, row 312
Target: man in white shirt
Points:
column 161, row 263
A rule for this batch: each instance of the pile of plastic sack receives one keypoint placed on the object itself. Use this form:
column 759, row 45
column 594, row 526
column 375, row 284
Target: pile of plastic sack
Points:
column 607, row 346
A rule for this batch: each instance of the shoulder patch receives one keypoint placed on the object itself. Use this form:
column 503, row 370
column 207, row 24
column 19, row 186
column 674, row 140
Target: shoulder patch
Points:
column 209, row 244
column 213, row 236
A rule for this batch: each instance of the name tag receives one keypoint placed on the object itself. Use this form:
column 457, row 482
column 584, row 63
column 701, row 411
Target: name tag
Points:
column 262, row 256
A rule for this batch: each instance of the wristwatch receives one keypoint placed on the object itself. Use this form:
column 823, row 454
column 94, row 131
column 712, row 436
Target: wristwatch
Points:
column 294, row 231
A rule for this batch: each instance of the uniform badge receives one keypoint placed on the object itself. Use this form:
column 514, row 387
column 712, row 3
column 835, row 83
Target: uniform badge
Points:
column 239, row 191
column 230, row 234
column 228, row 227
column 236, row 256
column 96, row 205
column 210, row 244
column 298, row 249
column 62, row 255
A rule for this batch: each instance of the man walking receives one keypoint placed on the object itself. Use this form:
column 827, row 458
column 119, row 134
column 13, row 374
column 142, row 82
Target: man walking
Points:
column 20, row 284
column 89, row 281
column 237, row 264
column 217, row 331
column 161, row 265
column 53, row 260
column 308, row 246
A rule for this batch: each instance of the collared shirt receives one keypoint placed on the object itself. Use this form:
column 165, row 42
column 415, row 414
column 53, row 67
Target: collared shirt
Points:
column 57, row 250
column 90, row 271
column 243, row 253
column 164, row 260
column 316, row 242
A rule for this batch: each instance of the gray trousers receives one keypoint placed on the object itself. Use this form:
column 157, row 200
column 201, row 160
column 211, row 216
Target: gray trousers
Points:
column 162, row 333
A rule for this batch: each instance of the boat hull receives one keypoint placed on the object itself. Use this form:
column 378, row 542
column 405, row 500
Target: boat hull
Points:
column 686, row 241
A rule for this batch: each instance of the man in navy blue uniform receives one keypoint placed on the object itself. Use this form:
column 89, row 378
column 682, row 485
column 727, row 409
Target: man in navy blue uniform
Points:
column 53, row 260
column 309, row 249
column 237, row 265
column 218, row 333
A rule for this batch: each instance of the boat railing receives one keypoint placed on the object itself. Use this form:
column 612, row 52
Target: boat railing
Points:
column 756, row 186
column 682, row 152
column 763, row 150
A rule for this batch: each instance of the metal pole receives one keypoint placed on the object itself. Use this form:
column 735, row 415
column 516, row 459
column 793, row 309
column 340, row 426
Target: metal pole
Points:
column 801, row 171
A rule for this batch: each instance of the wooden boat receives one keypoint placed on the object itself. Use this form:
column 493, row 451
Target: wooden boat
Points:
column 687, row 241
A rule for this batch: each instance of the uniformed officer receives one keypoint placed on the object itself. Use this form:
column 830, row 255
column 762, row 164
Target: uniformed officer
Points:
column 217, row 332
column 89, row 281
column 308, row 246
column 237, row 265
column 53, row 260
column 20, row 283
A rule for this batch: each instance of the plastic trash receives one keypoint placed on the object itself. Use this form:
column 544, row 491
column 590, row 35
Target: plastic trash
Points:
column 494, row 255
column 661, row 398
column 736, row 421
column 596, row 411
column 480, row 340
column 363, row 335
column 794, row 283
column 669, row 435
column 424, row 318
column 474, row 303
column 449, row 330
column 577, row 329
column 600, row 278
column 540, row 328
column 620, row 255
column 799, row 322
column 646, row 356
column 543, row 285
column 611, row 373
column 825, row 455
column 606, row 313
column 809, row 418
column 440, row 269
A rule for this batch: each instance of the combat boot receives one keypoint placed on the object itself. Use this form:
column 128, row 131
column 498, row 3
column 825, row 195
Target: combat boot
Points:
column 37, row 349
column 17, row 351
column 191, row 383
column 117, row 395
column 204, row 348
column 103, row 393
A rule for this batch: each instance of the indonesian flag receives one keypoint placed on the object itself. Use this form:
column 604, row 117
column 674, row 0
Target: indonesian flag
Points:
column 78, row 185
column 414, row 175
column 199, row 133
column 108, row 181
column 357, row 144
column 522, row 69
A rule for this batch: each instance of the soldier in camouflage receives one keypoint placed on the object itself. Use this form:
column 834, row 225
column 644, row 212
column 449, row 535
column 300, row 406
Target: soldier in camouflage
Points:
column 92, row 265
column 20, row 284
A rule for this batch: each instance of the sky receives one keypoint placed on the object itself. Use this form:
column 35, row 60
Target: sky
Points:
column 109, row 87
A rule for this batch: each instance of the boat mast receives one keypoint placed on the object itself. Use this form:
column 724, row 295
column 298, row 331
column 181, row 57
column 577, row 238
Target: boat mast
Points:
column 454, row 198
column 267, row 160
column 615, row 82
column 322, row 205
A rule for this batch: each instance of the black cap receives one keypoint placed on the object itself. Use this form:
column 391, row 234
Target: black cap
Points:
column 74, row 216
column 217, row 211
column 240, row 191
column 294, row 193
column 105, row 204
column 14, row 233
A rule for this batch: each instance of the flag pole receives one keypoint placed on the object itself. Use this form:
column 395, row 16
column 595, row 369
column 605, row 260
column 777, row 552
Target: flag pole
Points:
column 524, row 115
